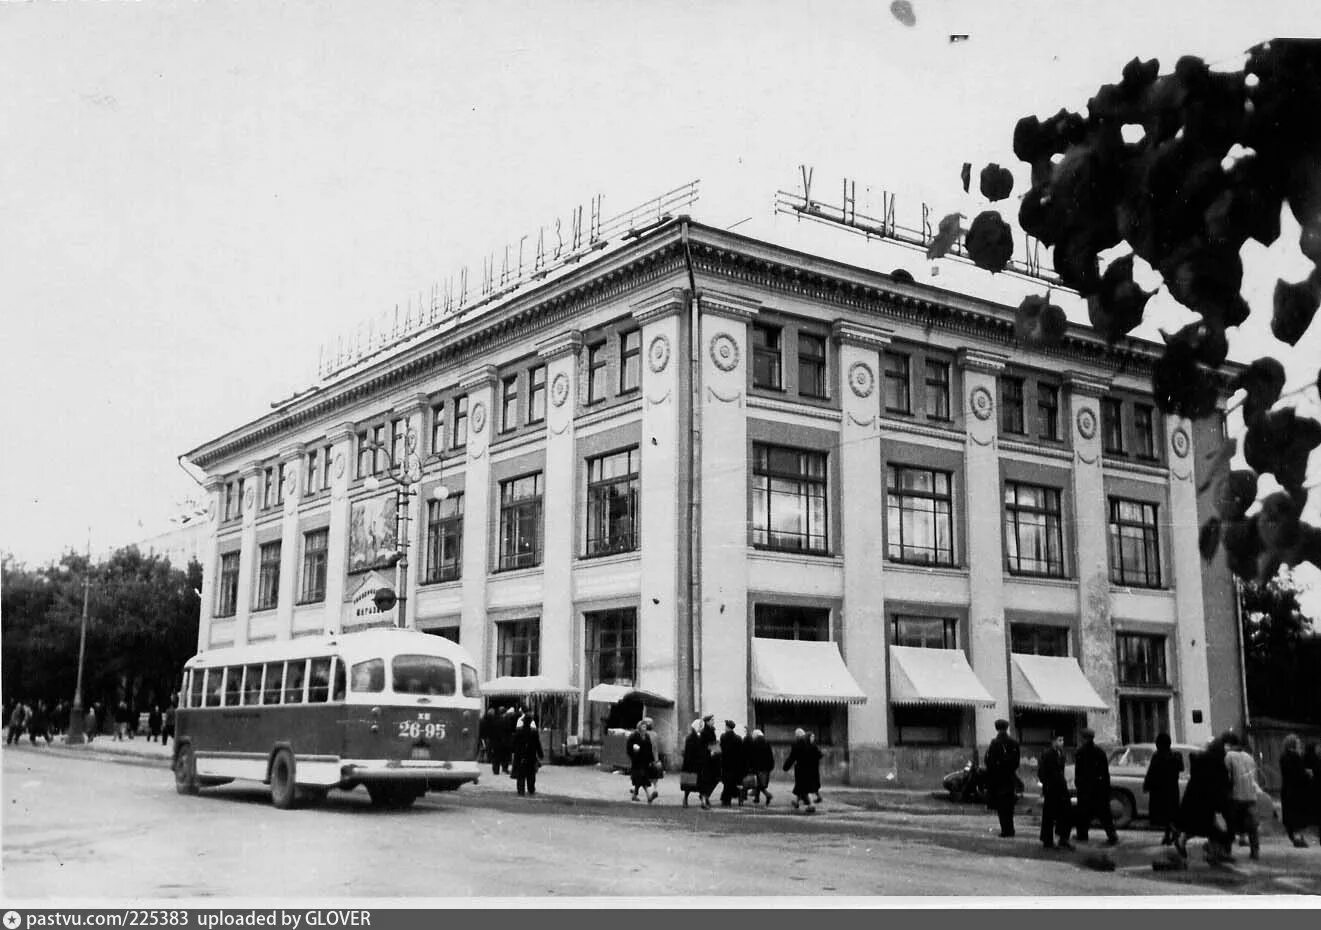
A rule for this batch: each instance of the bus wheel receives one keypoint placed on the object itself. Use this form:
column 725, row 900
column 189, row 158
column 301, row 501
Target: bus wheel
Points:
column 284, row 791
column 185, row 771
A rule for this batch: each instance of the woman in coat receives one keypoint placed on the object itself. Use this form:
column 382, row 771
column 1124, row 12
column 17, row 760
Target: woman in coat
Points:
column 642, row 757
column 1295, row 791
column 694, row 760
column 761, row 762
column 805, row 760
column 525, row 749
column 710, row 774
column 1162, row 783
column 1206, row 797
column 1312, row 762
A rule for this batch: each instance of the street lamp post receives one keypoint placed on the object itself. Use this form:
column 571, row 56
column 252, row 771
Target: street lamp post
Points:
column 73, row 734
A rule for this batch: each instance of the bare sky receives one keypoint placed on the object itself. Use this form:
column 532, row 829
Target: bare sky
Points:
column 193, row 196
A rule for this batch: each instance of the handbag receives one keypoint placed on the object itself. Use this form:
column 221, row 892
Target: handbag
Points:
column 687, row 781
column 750, row 782
column 655, row 770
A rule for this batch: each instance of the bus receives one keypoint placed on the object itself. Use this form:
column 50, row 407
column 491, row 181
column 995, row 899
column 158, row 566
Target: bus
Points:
column 395, row 711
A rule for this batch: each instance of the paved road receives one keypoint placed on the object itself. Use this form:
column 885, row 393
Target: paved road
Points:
column 87, row 827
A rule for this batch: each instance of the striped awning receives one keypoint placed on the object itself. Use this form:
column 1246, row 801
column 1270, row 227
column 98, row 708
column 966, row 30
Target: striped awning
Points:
column 611, row 694
column 524, row 685
column 1053, row 683
column 801, row 672
column 939, row 677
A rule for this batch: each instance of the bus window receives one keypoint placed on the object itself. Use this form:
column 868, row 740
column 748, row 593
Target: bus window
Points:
column 423, row 675
column 337, row 693
column 470, row 688
column 318, row 691
column 252, row 685
column 213, row 676
column 233, row 685
column 293, row 681
column 369, row 675
column 274, row 683
column 195, row 688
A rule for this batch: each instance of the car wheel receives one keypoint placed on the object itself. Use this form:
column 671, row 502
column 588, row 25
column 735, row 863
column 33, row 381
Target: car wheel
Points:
column 284, row 790
column 185, row 771
column 1122, row 808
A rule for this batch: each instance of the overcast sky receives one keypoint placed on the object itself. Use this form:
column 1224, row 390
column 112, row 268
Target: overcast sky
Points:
column 194, row 196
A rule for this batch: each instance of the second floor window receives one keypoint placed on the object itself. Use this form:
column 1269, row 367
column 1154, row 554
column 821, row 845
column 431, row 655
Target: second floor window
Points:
column 1038, row 639
column 811, row 365
column 517, row 651
column 612, row 503
column 318, row 469
column 272, row 491
column 596, row 373
column 630, row 361
column 789, row 499
column 1048, row 411
column 520, row 522
column 444, row 539
column 536, row 394
column 1144, row 434
column 897, row 396
column 1134, row 544
column 460, row 422
column 937, row 383
column 437, row 428
column 315, row 545
column 766, row 357
column 1140, row 658
column 509, row 404
column 227, row 590
column 919, row 513
column 782, row 621
column 924, row 632
column 234, row 499
column 268, row 576
column 1112, row 425
column 1011, row 405
column 1034, row 542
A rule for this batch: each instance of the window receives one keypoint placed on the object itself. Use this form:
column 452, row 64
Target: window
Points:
column 233, row 685
column 1112, row 426
column 766, row 357
column 612, row 502
column 596, row 373
column 509, row 404
column 227, row 591
column 1048, row 411
column 214, row 678
column 312, row 479
column 811, row 365
column 517, row 648
column 611, row 647
column 437, row 428
column 1134, row 546
column 1034, row 543
column 195, row 688
column 398, row 443
column 234, row 499
column 924, row 632
column 919, row 515
column 1036, row 639
column 274, row 683
column 315, row 545
column 782, row 621
column 295, row 675
column 1142, row 719
column 368, row 676
column 937, row 390
column 444, row 539
column 1144, row 434
column 630, row 361
column 928, row 726
column 379, row 447
column 520, row 522
column 788, row 499
column 536, row 394
column 1141, row 660
column 1011, row 405
column 779, row 721
column 271, row 486
column 897, row 396
column 268, row 576
column 318, row 686
column 365, row 455
column 252, row 685
column 460, row 422
column 423, row 675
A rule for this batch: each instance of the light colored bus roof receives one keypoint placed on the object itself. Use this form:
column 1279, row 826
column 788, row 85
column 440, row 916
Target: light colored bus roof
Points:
column 353, row 647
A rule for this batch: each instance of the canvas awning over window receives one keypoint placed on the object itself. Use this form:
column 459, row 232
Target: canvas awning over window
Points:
column 1053, row 683
column 939, row 677
column 524, row 685
column 801, row 672
column 610, row 694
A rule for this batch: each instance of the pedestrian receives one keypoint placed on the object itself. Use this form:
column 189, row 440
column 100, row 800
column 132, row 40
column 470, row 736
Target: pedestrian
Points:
column 512, row 716
column 1295, row 791
column 816, row 795
column 1091, row 780
column 761, row 762
column 484, row 728
column 89, row 723
column 643, row 763
column 1162, row 784
column 154, row 722
column 525, row 754
column 18, row 719
column 710, row 774
column 1242, row 793
column 39, row 723
column 1056, row 813
column 805, row 759
column 694, row 760
column 733, row 766
column 1205, row 804
column 167, row 724
column 121, row 721
column 1312, row 762
column 1002, row 760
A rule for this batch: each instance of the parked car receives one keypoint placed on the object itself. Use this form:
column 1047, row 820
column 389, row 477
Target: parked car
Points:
column 1128, row 767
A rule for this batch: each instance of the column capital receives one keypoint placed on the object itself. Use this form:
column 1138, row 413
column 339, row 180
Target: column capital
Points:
column 859, row 336
column 669, row 302
column 485, row 376
column 292, row 451
column 413, row 403
column 213, row 483
column 568, row 342
column 990, row 363
column 1086, row 385
column 252, row 468
column 718, row 303
column 343, row 431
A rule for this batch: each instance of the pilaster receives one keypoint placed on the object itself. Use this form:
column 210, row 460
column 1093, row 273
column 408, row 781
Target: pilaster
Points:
column 291, row 562
column 479, row 512
column 414, row 408
column 251, row 475
column 214, row 487
column 1189, row 646
column 341, row 439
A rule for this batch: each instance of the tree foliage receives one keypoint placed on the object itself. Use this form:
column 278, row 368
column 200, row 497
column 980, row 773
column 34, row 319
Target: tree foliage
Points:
column 142, row 627
column 1279, row 653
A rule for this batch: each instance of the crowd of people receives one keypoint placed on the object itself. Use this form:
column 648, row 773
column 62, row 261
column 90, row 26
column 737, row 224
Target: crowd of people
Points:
column 38, row 720
column 509, row 740
column 742, row 767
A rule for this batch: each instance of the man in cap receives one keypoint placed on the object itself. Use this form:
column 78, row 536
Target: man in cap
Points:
column 732, row 767
column 1091, row 778
column 1002, row 758
column 1056, row 817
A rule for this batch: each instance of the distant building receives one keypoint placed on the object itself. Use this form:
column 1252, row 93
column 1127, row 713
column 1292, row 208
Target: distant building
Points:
column 819, row 496
column 180, row 545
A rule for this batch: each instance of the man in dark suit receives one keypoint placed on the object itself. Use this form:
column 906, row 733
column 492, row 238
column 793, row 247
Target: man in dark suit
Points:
column 1091, row 778
column 732, row 766
column 1056, row 817
column 1002, row 758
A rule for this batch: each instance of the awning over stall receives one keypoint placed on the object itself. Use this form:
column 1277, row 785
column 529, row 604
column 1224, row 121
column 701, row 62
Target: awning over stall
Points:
column 524, row 685
column 611, row 694
column 801, row 672
column 934, row 676
column 1053, row 683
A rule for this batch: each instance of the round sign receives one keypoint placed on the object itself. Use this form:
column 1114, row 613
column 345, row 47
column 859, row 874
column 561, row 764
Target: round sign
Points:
column 724, row 352
column 658, row 353
column 1086, row 423
column 559, row 389
column 982, row 403
column 861, row 379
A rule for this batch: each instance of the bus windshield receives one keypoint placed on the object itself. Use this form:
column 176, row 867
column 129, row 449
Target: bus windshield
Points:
column 417, row 674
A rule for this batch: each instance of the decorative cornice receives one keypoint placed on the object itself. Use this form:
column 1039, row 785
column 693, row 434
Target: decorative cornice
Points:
column 891, row 424
column 484, row 376
column 992, row 363
column 669, row 302
column 569, row 342
column 863, row 337
column 827, row 414
column 1086, row 385
column 732, row 306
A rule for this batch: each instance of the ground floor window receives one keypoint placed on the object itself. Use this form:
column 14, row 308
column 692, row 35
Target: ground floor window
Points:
column 778, row 720
column 929, row 726
column 1036, row 728
column 611, row 659
column 1142, row 718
